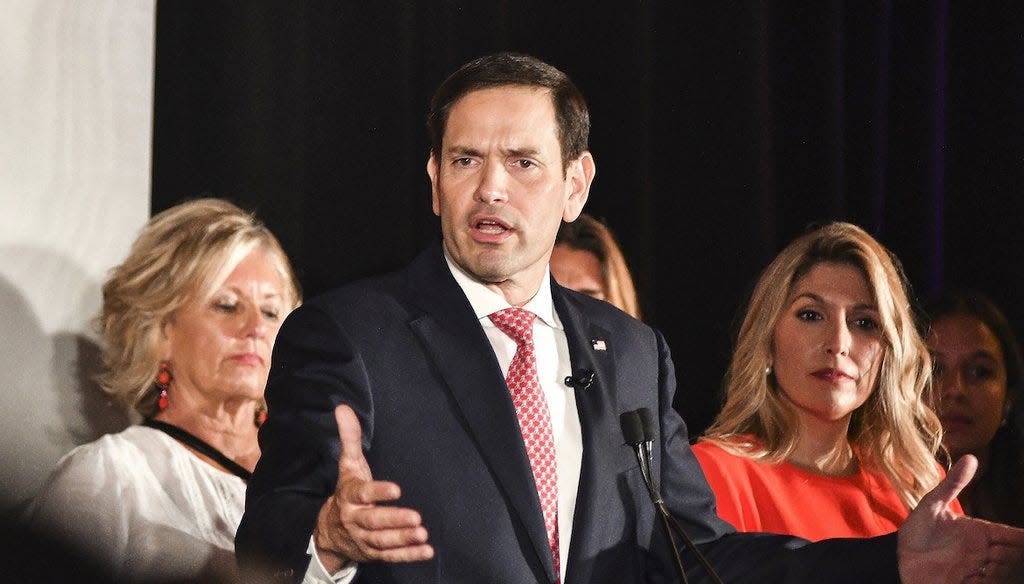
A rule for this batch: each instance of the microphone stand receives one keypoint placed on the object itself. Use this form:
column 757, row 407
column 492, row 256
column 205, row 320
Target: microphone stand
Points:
column 633, row 432
column 638, row 428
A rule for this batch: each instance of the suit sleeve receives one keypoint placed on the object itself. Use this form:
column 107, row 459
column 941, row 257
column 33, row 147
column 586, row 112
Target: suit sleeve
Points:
column 315, row 367
column 723, row 479
column 683, row 484
column 741, row 558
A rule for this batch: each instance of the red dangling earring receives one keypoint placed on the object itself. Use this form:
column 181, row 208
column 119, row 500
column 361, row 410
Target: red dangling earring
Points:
column 261, row 415
column 163, row 381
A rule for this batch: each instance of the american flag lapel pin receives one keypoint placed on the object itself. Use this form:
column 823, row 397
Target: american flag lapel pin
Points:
column 598, row 345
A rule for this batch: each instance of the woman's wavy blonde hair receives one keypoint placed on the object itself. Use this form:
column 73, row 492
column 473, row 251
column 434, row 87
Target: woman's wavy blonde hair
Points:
column 182, row 255
column 894, row 430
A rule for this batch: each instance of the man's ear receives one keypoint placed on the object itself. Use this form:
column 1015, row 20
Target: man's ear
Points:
column 579, row 176
column 432, row 173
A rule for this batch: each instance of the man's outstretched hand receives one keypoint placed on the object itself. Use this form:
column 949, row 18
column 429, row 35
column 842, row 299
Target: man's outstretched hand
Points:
column 936, row 546
column 352, row 525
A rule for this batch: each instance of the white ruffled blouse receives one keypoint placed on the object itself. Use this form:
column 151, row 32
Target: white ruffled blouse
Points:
column 145, row 507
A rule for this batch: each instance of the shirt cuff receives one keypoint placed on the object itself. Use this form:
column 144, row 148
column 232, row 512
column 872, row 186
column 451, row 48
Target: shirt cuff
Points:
column 316, row 573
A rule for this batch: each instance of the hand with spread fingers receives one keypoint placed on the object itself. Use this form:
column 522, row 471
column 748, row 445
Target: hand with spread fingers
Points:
column 938, row 546
column 353, row 525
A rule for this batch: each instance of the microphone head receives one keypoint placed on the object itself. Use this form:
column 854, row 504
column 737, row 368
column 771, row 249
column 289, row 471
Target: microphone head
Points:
column 632, row 427
column 647, row 424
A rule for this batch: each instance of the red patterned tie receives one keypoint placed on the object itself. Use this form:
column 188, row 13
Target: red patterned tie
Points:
column 534, row 417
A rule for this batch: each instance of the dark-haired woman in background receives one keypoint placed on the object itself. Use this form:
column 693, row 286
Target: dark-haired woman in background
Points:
column 586, row 258
column 979, row 399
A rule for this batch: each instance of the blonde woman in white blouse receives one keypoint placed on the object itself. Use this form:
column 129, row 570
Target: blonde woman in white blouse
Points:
column 189, row 321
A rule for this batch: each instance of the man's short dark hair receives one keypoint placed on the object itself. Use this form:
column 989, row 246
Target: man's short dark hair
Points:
column 504, row 69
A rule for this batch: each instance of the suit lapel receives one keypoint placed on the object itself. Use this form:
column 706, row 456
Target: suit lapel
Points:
column 455, row 342
column 590, row 349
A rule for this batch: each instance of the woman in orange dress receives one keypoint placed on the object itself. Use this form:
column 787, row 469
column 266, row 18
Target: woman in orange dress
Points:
column 825, row 431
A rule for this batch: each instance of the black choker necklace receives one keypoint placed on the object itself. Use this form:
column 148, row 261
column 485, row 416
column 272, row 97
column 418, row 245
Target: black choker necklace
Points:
column 191, row 440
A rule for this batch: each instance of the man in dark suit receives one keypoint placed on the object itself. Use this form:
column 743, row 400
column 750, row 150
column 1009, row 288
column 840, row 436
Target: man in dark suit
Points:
column 415, row 437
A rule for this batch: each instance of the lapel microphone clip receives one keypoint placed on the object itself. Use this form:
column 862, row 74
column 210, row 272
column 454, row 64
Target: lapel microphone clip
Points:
column 583, row 379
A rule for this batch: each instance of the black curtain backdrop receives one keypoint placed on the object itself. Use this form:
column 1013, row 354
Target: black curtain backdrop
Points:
column 721, row 131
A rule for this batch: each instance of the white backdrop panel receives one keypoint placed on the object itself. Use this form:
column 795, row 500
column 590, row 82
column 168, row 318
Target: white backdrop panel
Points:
column 76, row 118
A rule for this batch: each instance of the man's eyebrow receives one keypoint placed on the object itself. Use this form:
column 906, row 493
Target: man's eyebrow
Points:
column 461, row 151
column 525, row 152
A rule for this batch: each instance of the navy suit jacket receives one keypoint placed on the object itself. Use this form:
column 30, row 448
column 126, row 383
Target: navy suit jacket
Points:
column 408, row 354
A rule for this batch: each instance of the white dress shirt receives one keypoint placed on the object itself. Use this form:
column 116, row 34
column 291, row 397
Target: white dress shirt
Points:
column 553, row 366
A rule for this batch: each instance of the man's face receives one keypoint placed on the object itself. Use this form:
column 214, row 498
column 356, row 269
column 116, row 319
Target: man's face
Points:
column 500, row 189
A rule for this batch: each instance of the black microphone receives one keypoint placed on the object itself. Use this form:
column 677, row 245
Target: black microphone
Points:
column 647, row 424
column 632, row 428
column 645, row 453
column 583, row 379
column 639, row 429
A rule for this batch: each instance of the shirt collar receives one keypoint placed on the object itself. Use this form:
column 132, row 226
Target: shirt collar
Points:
column 486, row 301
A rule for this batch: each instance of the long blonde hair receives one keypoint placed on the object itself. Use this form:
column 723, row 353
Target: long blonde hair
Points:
column 894, row 430
column 182, row 254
